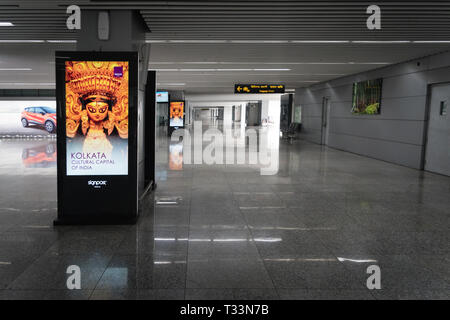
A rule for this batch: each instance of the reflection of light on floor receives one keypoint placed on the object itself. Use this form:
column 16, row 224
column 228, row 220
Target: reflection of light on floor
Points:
column 302, row 259
column 260, row 193
column 225, row 227
column 221, row 239
column 199, row 240
column 44, row 209
column 168, row 262
column 37, row 227
column 252, row 208
column 356, row 260
column 293, row 228
column 168, row 200
column 5, row 263
column 267, row 239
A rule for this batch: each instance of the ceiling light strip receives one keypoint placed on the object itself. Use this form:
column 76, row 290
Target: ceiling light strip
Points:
column 215, row 70
column 15, row 69
column 301, row 41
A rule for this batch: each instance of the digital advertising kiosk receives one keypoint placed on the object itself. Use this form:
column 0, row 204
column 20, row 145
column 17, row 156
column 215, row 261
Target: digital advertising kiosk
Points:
column 97, row 101
column 176, row 115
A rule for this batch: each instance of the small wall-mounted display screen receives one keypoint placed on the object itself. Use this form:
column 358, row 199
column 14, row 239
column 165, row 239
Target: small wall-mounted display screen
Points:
column 162, row 96
column 366, row 98
column 176, row 114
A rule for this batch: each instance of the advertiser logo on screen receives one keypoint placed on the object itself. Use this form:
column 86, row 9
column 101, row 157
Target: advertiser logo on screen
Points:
column 97, row 184
column 118, row 72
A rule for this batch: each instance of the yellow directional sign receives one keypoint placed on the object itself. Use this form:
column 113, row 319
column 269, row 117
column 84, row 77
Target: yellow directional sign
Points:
column 259, row 88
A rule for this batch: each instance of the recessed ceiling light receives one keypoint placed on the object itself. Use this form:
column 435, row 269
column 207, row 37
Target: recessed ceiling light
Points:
column 198, row 62
column 234, row 69
column 272, row 69
column 15, row 69
column 320, row 41
column 296, row 74
column 432, row 41
column 300, row 41
column 260, row 63
column 22, row 41
column 62, row 41
column 27, row 83
column 170, row 84
column 259, row 41
column 381, row 41
column 214, row 70
column 6, row 24
column 197, row 41
column 188, row 70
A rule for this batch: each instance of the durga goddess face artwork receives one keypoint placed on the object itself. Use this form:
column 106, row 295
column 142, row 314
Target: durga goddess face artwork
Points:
column 176, row 110
column 96, row 102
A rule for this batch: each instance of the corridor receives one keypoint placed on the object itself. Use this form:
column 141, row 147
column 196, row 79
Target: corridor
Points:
column 227, row 232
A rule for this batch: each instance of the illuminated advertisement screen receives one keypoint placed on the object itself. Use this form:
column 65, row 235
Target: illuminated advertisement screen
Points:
column 176, row 114
column 366, row 97
column 96, row 117
column 162, row 96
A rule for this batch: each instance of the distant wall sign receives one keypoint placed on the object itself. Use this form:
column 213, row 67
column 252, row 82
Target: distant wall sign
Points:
column 259, row 88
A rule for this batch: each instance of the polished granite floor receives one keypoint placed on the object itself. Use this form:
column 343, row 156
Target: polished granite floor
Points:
column 226, row 232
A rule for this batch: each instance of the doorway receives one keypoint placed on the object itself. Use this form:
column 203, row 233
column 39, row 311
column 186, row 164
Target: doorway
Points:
column 253, row 114
column 325, row 120
column 437, row 153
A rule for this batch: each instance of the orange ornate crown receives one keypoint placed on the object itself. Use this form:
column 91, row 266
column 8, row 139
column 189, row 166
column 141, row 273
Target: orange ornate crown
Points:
column 87, row 78
column 97, row 78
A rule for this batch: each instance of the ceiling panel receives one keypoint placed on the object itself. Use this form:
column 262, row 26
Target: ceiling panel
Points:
column 210, row 45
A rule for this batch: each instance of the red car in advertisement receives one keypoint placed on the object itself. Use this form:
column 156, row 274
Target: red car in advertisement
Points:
column 42, row 116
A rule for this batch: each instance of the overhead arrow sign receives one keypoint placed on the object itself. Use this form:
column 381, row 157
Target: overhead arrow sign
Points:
column 259, row 88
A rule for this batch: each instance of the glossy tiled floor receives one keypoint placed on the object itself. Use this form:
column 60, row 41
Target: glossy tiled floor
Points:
column 308, row 232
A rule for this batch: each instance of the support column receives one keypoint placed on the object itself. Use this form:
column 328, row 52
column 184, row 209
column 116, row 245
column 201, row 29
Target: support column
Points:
column 115, row 36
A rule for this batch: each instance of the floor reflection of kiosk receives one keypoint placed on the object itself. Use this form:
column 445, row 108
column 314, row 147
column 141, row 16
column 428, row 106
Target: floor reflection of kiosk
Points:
column 97, row 152
column 176, row 156
column 176, row 116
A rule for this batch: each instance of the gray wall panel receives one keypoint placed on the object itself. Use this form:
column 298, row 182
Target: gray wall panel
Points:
column 404, row 154
column 411, row 84
column 392, row 130
column 409, row 108
column 396, row 135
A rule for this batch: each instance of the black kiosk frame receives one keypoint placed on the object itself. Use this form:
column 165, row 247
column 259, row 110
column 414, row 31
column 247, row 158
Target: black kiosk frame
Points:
column 97, row 199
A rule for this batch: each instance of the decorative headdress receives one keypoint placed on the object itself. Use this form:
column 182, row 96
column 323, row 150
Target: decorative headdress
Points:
column 105, row 79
